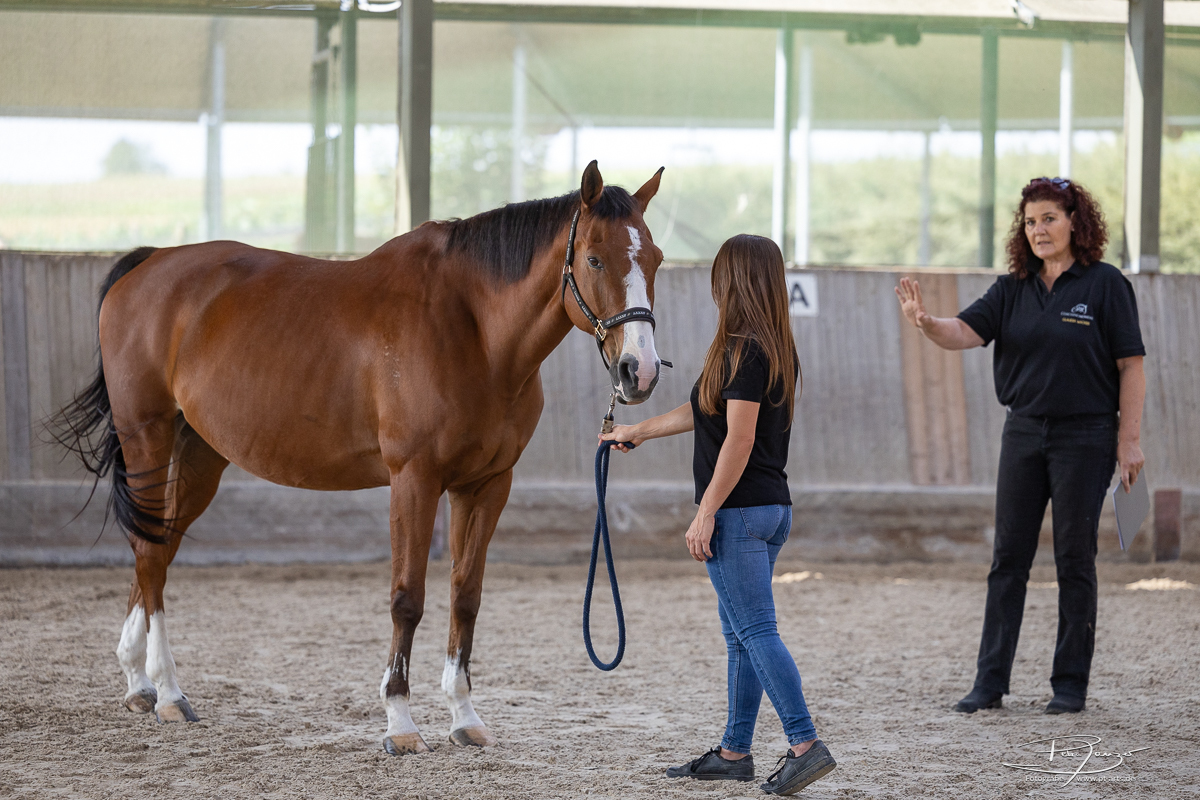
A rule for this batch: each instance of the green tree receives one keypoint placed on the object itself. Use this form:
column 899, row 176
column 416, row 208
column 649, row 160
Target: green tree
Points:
column 131, row 158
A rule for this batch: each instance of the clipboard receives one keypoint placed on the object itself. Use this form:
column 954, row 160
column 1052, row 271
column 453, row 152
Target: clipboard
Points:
column 1131, row 508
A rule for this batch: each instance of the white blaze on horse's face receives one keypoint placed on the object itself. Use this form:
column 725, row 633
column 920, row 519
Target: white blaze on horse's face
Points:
column 639, row 336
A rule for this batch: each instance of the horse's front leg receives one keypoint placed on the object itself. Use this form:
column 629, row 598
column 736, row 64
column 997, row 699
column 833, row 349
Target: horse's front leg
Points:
column 473, row 516
column 414, row 503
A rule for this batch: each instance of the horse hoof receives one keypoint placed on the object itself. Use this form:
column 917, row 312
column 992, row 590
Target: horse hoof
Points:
column 473, row 737
column 405, row 744
column 179, row 711
column 141, row 702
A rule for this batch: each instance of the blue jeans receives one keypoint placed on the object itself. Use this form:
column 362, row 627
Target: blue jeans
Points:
column 744, row 547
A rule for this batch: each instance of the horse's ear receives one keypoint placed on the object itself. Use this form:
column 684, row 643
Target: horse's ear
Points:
column 648, row 190
column 592, row 186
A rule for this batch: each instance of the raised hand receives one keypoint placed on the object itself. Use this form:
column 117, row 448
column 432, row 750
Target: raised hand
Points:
column 912, row 304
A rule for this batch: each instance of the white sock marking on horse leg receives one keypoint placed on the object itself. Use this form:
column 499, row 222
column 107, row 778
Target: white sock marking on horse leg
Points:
column 131, row 652
column 458, row 694
column 399, row 717
column 639, row 336
column 160, row 665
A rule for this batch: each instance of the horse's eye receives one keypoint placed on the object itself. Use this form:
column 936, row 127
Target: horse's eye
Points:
column 594, row 262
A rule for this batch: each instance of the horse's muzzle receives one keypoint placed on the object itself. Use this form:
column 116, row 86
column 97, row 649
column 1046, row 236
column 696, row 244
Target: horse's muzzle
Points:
column 626, row 380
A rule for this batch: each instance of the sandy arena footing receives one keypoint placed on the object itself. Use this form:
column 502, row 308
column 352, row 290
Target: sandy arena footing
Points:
column 282, row 664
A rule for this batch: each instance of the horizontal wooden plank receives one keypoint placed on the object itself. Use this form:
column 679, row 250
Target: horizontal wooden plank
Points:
column 851, row 425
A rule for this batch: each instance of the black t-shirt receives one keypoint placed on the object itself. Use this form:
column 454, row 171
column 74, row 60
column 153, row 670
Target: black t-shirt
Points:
column 763, row 482
column 1056, row 351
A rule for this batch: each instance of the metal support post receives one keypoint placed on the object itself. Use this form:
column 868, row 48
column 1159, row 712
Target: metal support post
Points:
column 573, row 177
column 416, row 114
column 804, row 155
column 318, row 208
column 214, row 119
column 784, row 87
column 516, row 190
column 987, row 158
column 348, row 118
column 925, row 242
column 1066, row 109
column 1144, row 46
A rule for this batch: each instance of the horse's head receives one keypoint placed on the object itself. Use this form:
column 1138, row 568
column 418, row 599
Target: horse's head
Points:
column 614, row 266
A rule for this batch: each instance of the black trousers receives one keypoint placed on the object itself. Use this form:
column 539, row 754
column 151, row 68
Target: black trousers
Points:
column 1069, row 461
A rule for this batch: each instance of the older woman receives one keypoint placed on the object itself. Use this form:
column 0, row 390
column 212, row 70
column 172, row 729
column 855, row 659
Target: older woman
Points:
column 1068, row 366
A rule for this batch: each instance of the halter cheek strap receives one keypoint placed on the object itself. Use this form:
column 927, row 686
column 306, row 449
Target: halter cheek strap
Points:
column 599, row 327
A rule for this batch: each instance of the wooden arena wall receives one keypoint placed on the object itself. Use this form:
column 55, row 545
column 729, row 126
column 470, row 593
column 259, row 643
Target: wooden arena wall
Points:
column 894, row 445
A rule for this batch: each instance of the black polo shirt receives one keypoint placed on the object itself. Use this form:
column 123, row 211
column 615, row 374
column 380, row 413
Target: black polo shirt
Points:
column 1056, row 351
column 763, row 481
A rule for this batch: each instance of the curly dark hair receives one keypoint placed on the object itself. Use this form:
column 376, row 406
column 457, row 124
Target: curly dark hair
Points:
column 1089, row 232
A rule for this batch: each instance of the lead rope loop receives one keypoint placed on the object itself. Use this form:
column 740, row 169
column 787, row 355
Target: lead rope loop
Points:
column 601, row 534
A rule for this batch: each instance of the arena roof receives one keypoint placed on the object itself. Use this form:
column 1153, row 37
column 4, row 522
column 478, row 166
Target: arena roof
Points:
column 154, row 66
column 1049, row 16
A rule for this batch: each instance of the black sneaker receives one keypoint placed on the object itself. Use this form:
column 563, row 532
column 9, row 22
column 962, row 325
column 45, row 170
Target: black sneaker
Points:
column 796, row 772
column 711, row 767
column 977, row 699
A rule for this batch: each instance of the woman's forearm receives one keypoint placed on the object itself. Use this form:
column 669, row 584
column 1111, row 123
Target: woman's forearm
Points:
column 950, row 333
column 1132, row 397
column 677, row 420
column 1132, row 393
column 731, row 463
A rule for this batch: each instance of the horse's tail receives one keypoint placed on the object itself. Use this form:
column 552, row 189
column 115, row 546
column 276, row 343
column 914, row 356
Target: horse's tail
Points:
column 85, row 427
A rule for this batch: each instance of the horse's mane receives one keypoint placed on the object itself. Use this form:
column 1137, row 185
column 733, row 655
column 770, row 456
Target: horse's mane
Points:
column 504, row 241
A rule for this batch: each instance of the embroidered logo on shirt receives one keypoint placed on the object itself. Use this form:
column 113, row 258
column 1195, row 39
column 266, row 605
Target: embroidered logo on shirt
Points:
column 1077, row 315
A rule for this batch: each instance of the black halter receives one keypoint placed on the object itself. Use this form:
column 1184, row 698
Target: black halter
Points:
column 599, row 327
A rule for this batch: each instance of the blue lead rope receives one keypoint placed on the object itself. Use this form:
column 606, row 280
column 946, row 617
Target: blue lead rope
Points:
column 601, row 534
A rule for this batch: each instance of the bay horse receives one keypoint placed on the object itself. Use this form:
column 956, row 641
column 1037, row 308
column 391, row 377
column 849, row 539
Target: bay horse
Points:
column 415, row 367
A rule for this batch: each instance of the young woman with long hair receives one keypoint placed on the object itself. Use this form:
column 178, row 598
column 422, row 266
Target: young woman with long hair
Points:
column 741, row 411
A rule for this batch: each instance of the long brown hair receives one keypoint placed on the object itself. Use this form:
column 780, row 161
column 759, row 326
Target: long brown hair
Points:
column 1089, row 232
column 750, row 289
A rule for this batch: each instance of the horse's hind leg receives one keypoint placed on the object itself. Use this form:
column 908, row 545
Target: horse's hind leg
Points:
column 473, row 517
column 140, row 695
column 144, row 652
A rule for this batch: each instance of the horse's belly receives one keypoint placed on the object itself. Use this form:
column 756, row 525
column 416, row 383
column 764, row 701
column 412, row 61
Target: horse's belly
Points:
column 331, row 468
column 324, row 450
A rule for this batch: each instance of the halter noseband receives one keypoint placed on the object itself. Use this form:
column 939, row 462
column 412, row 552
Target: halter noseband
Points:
column 599, row 327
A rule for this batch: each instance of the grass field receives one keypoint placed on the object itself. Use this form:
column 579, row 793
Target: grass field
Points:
column 863, row 212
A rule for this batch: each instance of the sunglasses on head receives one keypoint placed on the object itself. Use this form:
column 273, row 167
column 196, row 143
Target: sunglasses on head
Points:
column 1058, row 183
